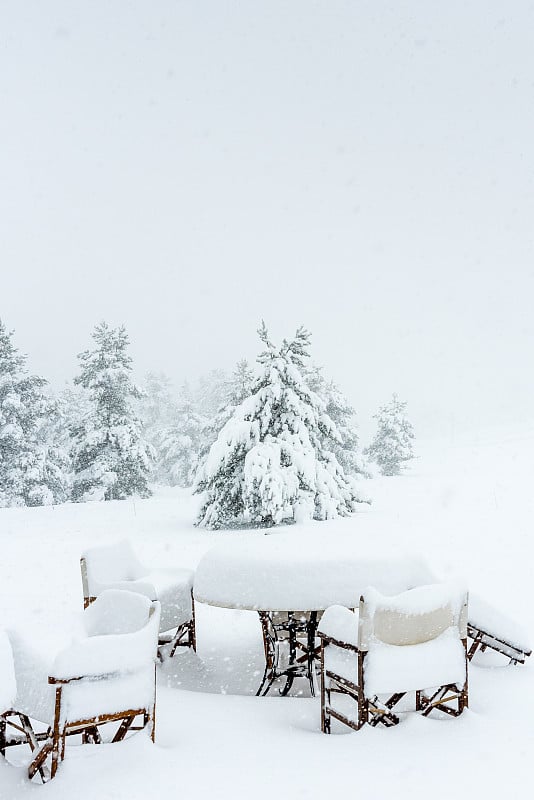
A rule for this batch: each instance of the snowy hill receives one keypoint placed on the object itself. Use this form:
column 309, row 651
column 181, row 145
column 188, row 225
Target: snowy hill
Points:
column 467, row 507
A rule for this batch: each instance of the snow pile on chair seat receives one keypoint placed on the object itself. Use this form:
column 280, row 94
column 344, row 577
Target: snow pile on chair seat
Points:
column 115, row 612
column 391, row 668
column 340, row 623
column 285, row 571
column 491, row 620
column 116, row 567
column 8, row 687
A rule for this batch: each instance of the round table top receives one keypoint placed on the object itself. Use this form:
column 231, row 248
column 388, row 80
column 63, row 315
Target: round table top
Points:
column 293, row 571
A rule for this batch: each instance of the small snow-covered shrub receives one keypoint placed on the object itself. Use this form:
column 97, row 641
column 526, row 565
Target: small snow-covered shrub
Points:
column 392, row 446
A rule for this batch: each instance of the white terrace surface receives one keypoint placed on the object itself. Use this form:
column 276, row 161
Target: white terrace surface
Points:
column 467, row 509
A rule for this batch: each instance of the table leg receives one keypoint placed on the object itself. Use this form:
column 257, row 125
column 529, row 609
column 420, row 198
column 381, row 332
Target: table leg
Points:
column 270, row 648
column 302, row 666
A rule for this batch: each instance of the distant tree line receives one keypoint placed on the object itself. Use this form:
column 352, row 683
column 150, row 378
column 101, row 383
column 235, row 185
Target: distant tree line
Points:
column 261, row 446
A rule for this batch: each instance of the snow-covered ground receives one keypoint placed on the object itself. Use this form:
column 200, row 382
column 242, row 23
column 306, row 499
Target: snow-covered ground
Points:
column 467, row 507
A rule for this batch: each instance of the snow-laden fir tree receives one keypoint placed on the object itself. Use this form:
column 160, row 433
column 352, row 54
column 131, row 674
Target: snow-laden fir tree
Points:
column 53, row 447
column 110, row 457
column 33, row 468
column 232, row 391
column 392, row 446
column 269, row 462
column 338, row 408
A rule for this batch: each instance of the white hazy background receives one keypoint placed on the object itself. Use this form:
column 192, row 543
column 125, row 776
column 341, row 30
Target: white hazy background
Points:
column 363, row 168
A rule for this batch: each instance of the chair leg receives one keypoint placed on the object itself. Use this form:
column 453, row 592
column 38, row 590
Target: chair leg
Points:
column 58, row 736
column 325, row 716
column 445, row 694
column 123, row 729
column 186, row 630
column 39, row 763
column 363, row 705
column 192, row 626
column 149, row 720
column 382, row 713
column 91, row 735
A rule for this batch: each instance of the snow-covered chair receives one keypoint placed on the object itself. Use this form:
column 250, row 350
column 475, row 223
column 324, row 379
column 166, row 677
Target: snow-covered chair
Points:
column 116, row 566
column 415, row 642
column 489, row 628
column 105, row 676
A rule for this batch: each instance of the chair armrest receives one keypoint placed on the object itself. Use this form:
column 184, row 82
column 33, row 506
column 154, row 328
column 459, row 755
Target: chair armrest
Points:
column 340, row 625
column 327, row 639
column 94, row 677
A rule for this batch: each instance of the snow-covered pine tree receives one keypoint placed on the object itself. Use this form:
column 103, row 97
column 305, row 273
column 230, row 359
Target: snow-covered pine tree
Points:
column 269, row 463
column 111, row 459
column 33, row 469
column 392, row 445
column 53, row 447
column 232, row 391
column 338, row 408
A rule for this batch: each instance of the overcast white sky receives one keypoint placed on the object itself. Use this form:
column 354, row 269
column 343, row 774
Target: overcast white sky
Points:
column 363, row 168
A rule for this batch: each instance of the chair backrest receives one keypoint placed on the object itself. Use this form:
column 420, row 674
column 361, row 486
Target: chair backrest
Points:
column 117, row 612
column 412, row 617
column 109, row 564
column 119, row 635
column 8, row 686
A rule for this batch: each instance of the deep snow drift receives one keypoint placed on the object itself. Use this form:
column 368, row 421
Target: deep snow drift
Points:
column 465, row 507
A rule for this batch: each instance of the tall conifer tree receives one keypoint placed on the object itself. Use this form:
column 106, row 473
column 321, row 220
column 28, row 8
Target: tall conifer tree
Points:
column 111, row 459
column 33, row 468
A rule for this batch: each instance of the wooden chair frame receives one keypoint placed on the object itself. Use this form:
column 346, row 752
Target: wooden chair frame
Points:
column 331, row 683
column 483, row 639
column 49, row 745
column 374, row 710
column 183, row 636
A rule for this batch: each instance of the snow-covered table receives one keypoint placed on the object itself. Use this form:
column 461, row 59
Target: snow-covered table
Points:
column 289, row 578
